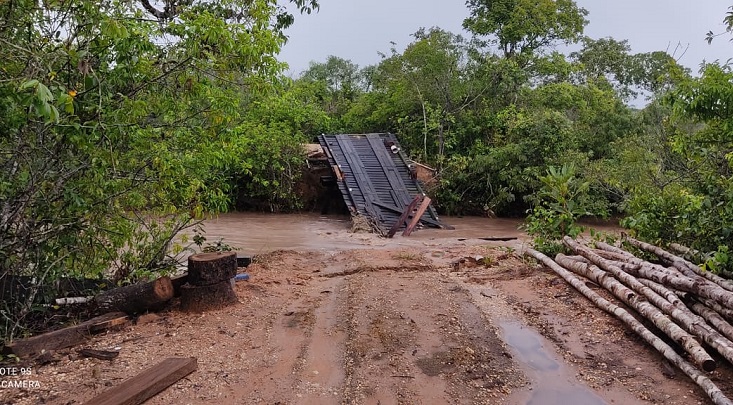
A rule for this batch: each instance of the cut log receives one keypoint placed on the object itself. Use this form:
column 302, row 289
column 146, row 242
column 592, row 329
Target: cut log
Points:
column 671, row 278
column 646, row 309
column 670, row 304
column 211, row 268
column 682, row 264
column 140, row 388
column 710, row 389
column 177, row 282
column 684, row 251
column 724, row 312
column 196, row 298
column 613, row 253
column 63, row 338
column 692, row 254
column 713, row 318
column 137, row 298
column 73, row 300
column 622, row 260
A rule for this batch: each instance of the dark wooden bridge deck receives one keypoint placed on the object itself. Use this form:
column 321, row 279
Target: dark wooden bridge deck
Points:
column 374, row 181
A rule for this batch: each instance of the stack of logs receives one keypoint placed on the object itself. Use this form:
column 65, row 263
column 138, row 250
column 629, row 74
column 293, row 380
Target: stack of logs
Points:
column 684, row 302
column 209, row 283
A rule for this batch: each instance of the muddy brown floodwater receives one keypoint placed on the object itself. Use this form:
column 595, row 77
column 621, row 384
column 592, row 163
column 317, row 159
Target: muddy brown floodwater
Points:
column 261, row 233
column 332, row 317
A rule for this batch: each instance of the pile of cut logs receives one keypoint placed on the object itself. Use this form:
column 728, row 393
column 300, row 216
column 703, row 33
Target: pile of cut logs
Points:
column 691, row 306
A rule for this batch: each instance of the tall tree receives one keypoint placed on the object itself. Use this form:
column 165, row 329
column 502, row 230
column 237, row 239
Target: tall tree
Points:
column 122, row 120
column 521, row 27
column 340, row 79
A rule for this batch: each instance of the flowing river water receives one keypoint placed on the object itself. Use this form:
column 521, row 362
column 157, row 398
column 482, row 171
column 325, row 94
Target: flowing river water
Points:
column 256, row 233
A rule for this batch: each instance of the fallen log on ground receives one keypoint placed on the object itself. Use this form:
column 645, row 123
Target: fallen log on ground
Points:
column 99, row 354
column 709, row 316
column 710, row 389
column 640, row 304
column 713, row 318
column 137, row 298
column 699, row 286
column 684, row 265
column 692, row 254
column 724, row 312
column 668, row 302
column 67, row 337
column 613, row 253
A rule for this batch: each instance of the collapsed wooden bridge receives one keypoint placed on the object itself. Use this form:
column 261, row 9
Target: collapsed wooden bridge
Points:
column 377, row 182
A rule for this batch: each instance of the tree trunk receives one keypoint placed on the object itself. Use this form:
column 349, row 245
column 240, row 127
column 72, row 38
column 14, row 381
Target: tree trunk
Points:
column 137, row 298
column 694, row 323
column 713, row 318
column 712, row 391
column 683, row 265
column 646, row 309
column 613, row 253
column 724, row 312
column 211, row 268
column 670, row 278
column 208, row 297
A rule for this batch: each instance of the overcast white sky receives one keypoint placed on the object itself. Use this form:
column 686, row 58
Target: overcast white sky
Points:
column 358, row 29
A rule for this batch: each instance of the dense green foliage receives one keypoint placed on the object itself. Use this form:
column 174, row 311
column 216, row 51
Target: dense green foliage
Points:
column 124, row 122
column 496, row 114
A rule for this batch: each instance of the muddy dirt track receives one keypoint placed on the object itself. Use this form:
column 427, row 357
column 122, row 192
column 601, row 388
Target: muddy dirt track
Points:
column 384, row 322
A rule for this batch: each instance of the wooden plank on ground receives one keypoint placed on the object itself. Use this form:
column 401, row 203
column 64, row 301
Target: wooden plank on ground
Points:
column 421, row 210
column 403, row 217
column 67, row 337
column 140, row 388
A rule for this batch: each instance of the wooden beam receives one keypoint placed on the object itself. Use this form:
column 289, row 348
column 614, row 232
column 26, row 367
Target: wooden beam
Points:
column 403, row 217
column 421, row 210
column 427, row 220
column 140, row 388
column 67, row 337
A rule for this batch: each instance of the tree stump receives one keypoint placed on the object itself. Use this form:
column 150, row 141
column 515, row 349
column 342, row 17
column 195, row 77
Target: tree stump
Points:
column 207, row 297
column 211, row 268
column 209, row 283
column 137, row 298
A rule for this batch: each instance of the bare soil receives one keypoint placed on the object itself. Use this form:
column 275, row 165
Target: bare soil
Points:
column 381, row 324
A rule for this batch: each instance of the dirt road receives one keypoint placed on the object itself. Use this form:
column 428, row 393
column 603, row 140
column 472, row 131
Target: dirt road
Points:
column 392, row 324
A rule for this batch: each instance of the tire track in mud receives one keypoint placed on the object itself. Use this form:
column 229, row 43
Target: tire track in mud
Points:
column 414, row 338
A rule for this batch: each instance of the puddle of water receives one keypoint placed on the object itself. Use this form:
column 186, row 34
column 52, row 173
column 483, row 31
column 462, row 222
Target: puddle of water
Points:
column 551, row 383
column 528, row 347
